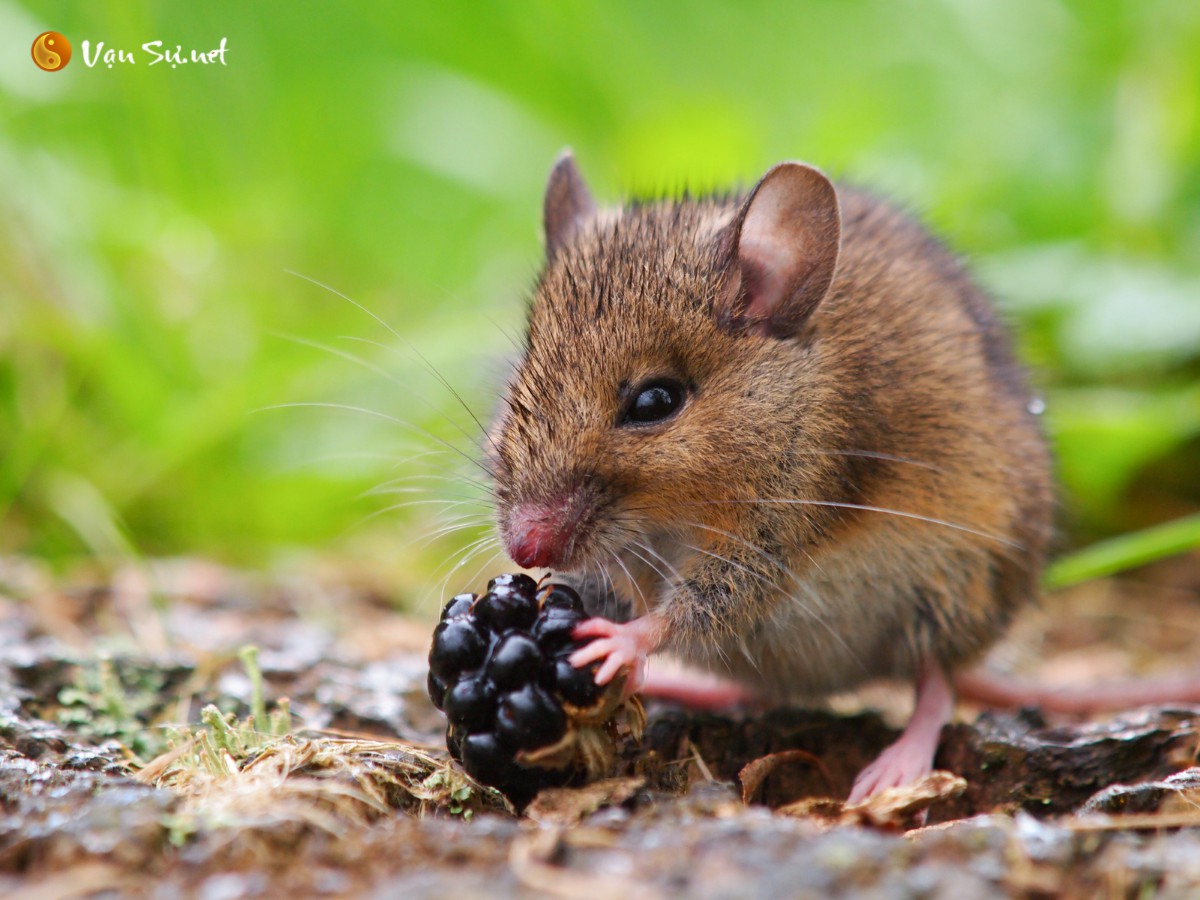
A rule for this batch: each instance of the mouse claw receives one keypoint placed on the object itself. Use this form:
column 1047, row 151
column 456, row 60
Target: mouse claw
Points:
column 621, row 646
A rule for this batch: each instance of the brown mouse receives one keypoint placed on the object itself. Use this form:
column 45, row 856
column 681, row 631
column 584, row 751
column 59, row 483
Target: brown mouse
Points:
column 788, row 428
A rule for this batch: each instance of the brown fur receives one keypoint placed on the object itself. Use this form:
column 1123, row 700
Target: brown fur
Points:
column 899, row 392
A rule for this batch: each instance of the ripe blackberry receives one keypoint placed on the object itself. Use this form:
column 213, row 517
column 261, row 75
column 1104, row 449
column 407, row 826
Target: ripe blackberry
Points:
column 499, row 668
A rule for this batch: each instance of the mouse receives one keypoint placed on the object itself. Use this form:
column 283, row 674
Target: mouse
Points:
column 783, row 435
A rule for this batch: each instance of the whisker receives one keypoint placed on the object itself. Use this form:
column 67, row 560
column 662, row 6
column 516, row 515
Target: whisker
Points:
column 748, row 544
column 437, row 483
column 609, row 587
column 409, row 504
column 594, row 572
column 633, row 549
column 349, row 300
column 872, row 454
column 758, row 576
column 633, row 584
column 452, row 477
column 399, row 486
column 475, row 576
column 374, row 413
column 364, row 455
column 383, row 491
column 867, row 508
column 428, row 365
column 803, row 606
column 675, row 576
column 463, row 556
column 436, row 374
column 512, row 338
column 382, row 373
column 795, row 584
column 462, row 523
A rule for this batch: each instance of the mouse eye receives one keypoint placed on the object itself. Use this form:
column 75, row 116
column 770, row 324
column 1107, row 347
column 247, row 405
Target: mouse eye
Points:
column 652, row 402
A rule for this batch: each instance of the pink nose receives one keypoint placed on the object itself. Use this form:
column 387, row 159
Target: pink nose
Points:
column 537, row 548
column 537, row 537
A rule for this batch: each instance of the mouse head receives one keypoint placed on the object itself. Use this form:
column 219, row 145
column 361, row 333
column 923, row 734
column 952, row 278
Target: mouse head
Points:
column 651, row 369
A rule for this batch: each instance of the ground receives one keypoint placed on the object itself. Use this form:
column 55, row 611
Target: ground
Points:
column 345, row 787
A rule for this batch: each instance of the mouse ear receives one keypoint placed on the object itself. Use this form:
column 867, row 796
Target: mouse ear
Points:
column 785, row 244
column 568, row 203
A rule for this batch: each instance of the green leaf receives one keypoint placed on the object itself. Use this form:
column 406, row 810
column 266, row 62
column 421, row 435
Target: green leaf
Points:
column 1125, row 552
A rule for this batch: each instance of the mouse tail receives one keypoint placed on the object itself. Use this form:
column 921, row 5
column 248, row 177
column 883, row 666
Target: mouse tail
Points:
column 999, row 691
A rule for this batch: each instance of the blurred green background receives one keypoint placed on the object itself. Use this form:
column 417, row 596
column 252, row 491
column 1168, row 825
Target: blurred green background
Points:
column 150, row 216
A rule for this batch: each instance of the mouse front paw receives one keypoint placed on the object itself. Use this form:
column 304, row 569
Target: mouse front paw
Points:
column 621, row 646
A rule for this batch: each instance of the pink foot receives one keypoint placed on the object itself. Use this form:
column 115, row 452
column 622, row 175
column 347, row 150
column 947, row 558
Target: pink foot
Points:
column 911, row 757
column 621, row 646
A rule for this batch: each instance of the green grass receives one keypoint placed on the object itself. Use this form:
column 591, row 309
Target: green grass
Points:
column 1125, row 552
column 149, row 217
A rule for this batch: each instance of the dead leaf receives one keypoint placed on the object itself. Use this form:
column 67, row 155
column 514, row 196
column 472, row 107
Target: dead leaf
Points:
column 898, row 806
column 569, row 806
column 893, row 808
column 754, row 773
column 823, row 810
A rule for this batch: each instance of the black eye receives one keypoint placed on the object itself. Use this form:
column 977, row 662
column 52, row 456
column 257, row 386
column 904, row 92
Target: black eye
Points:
column 653, row 401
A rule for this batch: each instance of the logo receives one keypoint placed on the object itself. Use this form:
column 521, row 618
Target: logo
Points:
column 156, row 52
column 51, row 51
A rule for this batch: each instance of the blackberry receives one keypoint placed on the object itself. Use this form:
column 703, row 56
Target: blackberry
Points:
column 499, row 668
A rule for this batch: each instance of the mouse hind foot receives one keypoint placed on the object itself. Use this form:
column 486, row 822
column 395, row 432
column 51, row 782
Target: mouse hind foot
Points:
column 910, row 758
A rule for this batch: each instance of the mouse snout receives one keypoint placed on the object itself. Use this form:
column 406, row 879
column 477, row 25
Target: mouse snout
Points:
column 541, row 535
column 537, row 546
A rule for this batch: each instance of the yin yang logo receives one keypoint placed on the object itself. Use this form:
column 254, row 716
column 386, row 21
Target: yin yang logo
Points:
column 51, row 51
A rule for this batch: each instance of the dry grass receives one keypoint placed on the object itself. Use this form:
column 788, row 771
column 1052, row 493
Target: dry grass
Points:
column 228, row 773
column 292, row 785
